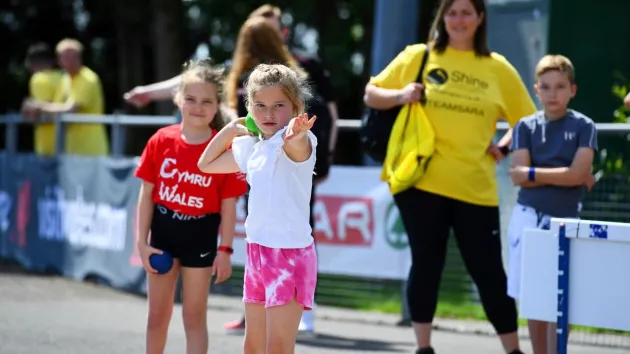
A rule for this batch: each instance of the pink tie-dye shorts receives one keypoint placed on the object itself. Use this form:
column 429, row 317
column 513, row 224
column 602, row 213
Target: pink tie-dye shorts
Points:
column 275, row 276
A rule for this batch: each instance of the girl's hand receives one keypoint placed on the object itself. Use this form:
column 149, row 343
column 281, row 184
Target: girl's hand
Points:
column 145, row 252
column 222, row 267
column 298, row 126
column 238, row 127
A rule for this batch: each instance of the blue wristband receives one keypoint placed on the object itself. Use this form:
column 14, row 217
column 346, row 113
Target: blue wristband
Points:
column 532, row 174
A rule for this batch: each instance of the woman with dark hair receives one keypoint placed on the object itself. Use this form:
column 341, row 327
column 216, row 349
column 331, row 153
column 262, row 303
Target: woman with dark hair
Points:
column 467, row 89
column 259, row 42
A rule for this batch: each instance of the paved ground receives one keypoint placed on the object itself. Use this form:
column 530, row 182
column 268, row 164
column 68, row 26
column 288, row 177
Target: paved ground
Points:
column 51, row 315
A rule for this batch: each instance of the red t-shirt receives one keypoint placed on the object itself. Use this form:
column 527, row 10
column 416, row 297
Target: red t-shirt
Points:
column 170, row 164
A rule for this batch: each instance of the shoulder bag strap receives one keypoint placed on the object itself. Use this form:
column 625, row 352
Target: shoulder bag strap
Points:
column 425, row 57
column 422, row 99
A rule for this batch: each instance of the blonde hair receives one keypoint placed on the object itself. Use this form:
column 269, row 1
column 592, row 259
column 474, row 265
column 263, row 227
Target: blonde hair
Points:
column 69, row 43
column 258, row 42
column 556, row 63
column 203, row 70
column 292, row 84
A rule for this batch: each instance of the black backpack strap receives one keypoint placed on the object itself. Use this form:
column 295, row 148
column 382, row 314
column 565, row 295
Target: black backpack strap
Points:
column 425, row 57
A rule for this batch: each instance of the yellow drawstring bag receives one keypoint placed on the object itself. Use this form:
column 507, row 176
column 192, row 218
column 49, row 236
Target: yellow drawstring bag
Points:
column 409, row 149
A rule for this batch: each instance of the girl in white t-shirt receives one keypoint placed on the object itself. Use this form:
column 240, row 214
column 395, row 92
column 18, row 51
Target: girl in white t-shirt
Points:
column 281, row 270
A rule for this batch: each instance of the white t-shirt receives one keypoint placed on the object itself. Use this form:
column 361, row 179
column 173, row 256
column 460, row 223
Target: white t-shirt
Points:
column 280, row 191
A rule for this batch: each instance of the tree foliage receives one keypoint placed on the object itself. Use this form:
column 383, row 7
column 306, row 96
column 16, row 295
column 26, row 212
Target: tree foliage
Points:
column 134, row 42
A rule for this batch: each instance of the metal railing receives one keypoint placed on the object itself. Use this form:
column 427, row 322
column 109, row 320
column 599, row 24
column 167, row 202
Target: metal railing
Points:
column 118, row 123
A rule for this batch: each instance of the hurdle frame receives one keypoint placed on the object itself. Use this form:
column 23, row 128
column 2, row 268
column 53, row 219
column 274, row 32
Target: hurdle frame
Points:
column 564, row 258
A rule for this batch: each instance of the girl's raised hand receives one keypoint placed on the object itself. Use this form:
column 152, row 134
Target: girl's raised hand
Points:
column 239, row 128
column 298, row 126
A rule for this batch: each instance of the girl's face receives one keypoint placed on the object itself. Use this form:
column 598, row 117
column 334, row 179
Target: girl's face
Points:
column 199, row 103
column 461, row 21
column 272, row 110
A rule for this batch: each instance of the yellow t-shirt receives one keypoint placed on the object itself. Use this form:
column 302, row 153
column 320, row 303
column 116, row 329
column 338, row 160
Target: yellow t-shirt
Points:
column 84, row 89
column 466, row 96
column 42, row 87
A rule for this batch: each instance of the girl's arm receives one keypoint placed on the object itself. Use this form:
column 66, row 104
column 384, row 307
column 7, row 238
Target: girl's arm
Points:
column 297, row 143
column 228, row 221
column 145, row 212
column 216, row 158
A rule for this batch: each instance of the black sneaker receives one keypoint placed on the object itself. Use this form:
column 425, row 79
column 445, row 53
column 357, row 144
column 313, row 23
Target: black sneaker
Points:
column 517, row 351
column 428, row 350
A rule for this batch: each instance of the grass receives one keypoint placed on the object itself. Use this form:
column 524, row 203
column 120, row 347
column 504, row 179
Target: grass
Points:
column 466, row 311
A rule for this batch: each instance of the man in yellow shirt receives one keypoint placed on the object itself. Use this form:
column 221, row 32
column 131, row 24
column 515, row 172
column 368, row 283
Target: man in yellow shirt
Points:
column 45, row 78
column 79, row 91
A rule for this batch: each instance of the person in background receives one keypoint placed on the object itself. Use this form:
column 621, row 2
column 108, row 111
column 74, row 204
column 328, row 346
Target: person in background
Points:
column 45, row 78
column 256, row 35
column 79, row 91
column 323, row 104
column 552, row 160
column 319, row 79
column 467, row 89
column 626, row 101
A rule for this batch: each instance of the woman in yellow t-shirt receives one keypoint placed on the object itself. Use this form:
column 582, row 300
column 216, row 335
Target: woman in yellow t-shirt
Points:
column 468, row 88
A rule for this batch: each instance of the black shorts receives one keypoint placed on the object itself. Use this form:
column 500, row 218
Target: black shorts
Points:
column 191, row 239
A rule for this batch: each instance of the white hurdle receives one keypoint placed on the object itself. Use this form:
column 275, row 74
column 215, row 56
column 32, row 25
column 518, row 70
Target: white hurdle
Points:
column 578, row 273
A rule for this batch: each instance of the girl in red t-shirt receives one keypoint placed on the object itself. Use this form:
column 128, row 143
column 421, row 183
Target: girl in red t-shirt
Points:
column 182, row 208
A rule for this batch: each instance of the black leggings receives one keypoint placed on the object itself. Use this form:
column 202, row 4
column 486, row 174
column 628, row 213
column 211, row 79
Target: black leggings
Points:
column 428, row 218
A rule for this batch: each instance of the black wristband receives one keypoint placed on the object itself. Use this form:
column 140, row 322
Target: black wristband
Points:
column 505, row 150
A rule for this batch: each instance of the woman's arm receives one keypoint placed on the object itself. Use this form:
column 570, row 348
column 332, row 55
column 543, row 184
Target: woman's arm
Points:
column 506, row 140
column 145, row 212
column 626, row 101
column 49, row 107
column 163, row 90
column 386, row 90
column 334, row 129
column 159, row 91
column 383, row 98
column 216, row 158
